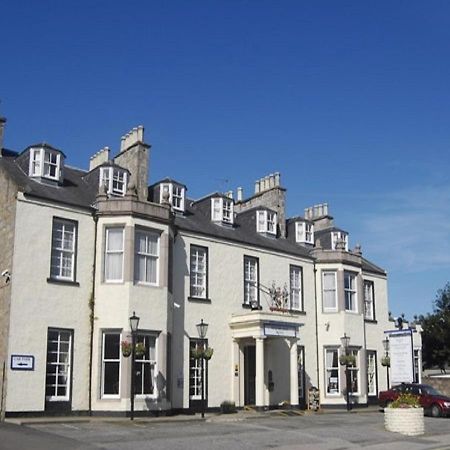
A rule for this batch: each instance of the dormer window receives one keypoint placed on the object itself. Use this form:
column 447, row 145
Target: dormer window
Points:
column 45, row 163
column 222, row 210
column 304, row 232
column 339, row 236
column 114, row 179
column 266, row 222
column 176, row 193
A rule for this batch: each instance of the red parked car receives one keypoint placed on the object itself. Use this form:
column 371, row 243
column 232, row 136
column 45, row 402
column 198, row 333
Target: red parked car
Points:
column 432, row 401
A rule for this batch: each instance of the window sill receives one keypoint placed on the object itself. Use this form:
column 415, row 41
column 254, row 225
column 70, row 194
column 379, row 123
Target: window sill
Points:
column 64, row 282
column 374, row 321
column 199, row 299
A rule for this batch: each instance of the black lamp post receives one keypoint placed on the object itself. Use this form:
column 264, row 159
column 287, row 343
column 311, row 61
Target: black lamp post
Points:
column 134, row 324
column 202, row 328
column 345, row 340
column 386, row 355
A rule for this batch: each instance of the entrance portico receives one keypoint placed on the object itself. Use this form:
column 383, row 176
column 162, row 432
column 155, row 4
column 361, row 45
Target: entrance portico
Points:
column 264, row 359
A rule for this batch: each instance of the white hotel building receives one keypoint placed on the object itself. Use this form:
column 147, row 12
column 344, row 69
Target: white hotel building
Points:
column 83, row 250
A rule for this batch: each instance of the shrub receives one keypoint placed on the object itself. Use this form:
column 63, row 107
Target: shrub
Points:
column 227, row 407
column 406, row 400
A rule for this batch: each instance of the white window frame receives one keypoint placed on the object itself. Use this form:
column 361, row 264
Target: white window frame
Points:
column 108, row 253
column 145, row 256
column 372, row 388
column 195, row 370
column 57, row 364
column 222, row 210
column 177, row 195
column 65, row 250
column 251, row 285
column 114, row 179
column 147, row 363
column 111, row 360
column 266, row 222
column 354, row 371
column 41, row 161
column 335, row 307
column 304, row 232
column 296, row 288
column 328, row 369
column 198, row 289
column 351, row 292
column 369, row 300
column 335, row 235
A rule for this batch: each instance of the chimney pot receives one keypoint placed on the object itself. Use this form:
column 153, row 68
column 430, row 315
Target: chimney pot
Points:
column 257, row 186
column 239, row 194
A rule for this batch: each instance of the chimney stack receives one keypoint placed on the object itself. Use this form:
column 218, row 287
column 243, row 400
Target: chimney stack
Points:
column 131, row 138
column 2, row 129
column 319, row 215
column 99, row 158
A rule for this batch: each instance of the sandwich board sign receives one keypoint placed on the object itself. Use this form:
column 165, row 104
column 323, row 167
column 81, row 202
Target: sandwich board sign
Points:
column 401, row 355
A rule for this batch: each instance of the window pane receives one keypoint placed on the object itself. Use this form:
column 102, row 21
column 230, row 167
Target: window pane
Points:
column 111, row 378
column 112, row 346
column 115, row 239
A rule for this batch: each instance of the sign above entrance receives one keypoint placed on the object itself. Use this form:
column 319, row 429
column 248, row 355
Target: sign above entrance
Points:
column 22, row 362
column 280, row 329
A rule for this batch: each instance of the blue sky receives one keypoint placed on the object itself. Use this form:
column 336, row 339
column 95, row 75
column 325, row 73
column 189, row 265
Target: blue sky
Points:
column 349, row 100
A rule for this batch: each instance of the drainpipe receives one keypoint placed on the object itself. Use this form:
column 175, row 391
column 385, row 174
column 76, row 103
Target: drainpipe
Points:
column 317, row 326
column 91, row 313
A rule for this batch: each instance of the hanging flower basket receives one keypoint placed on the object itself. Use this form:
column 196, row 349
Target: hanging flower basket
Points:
column 207, row 354
column 126, row 348
column 197, row 353
column 139, row 349
column 347, row 360
column 386, row 361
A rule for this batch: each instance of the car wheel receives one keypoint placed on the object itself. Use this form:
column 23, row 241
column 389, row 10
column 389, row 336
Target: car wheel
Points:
column 435, row 411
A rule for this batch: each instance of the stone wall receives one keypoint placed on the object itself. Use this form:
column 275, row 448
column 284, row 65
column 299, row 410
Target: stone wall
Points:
column 8, row 192
column 441, row 384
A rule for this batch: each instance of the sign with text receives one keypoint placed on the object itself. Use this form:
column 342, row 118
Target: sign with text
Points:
column 22, row 362
column 402, row 363
column 283, row 330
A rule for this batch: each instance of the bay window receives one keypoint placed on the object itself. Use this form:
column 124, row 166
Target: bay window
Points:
column 350, row 292
column 114, row 248
column 329, row 294
column 146, row 265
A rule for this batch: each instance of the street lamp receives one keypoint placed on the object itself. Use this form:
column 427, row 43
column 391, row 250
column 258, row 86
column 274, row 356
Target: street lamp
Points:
column 202, row 328
column 387, row 360
column 134, row 324
column 345, row 340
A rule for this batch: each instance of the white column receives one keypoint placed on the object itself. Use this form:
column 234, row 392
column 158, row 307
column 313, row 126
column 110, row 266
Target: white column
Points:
column 294, row 373
column 259, row 377
column 235, row 372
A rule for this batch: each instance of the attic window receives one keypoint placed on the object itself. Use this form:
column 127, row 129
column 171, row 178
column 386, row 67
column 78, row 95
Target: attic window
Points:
column 176, row 195
column 45, row 163
column 266, row 222
column 114, row 179
column 304, row 232
column 337, row 236
column 222, row 210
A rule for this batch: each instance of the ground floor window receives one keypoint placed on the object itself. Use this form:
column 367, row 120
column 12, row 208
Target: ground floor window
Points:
column 301, row 374
column 58, row 371
column 145, row 365
column 332, row 371
column 111, row 364
column 354, row 373
column 417, row 366
column 372, row 373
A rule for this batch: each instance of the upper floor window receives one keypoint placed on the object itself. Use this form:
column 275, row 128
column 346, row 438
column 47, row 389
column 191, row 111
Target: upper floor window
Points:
column 114, row 179
column 369, row 300
column 295, row 279
column 337, row 236
column 199, row 272
column 222, row 210
column 62, row 265
column 146, row 257
column 45, row 163
column 350, row 292
column 266, row 222
column 114, row 254
column 329, row 294
column 304, row 232
column 251, row 275
column 176, row 195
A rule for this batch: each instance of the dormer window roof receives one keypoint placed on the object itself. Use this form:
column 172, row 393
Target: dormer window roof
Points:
column 266, row 222
column 338, row 239
column 176, row 195
column 46, row 162
column 222, row 210
column 304, row 232
column 114, row 179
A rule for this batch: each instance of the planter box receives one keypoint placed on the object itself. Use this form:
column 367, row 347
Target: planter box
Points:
column 408, row 421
